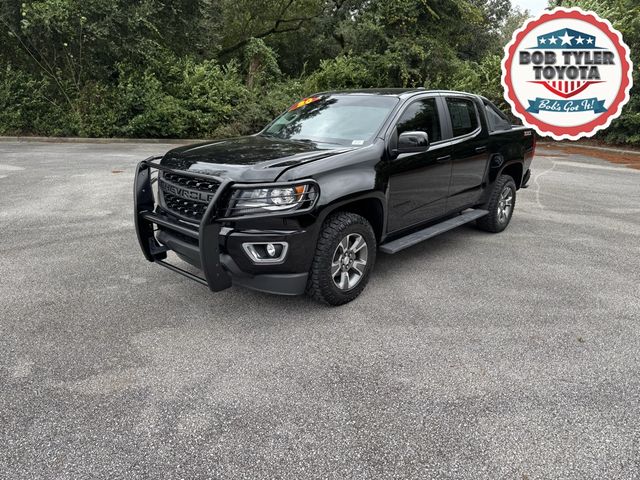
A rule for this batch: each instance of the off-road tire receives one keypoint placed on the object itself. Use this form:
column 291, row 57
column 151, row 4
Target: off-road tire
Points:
column 491, row 222
column 320, row 285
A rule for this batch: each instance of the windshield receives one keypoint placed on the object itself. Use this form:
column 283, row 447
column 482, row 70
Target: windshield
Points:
column 336, row 119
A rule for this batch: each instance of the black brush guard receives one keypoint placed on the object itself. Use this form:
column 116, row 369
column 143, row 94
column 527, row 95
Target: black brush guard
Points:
column 215, row 276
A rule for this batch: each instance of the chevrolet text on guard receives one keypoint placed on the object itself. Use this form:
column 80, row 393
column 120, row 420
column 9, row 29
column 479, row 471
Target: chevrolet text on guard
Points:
column 305, row 205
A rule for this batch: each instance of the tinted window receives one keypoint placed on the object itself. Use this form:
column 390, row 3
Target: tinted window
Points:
column 339, row 119
column 464, row 119
column 496, row 119
column 421, row 116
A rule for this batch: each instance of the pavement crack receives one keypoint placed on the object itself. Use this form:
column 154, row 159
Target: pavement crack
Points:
column 538, row 186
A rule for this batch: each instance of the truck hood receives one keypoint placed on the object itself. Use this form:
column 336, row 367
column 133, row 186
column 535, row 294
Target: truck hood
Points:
column 246, row 159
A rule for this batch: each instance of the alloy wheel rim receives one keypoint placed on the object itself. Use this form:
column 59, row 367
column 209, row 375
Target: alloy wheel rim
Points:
column 349, row 261
column 505, row 204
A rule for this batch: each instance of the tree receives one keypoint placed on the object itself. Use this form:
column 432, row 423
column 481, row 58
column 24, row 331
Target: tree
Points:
column 222, row 67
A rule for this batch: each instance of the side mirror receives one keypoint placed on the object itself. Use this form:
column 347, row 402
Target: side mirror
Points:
column 411, row 142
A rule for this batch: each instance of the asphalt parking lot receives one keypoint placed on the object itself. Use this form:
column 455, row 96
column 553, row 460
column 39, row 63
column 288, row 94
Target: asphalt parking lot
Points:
column 469, row 356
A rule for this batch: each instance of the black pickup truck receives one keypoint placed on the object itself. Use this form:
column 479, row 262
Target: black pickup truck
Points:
column 304, row 205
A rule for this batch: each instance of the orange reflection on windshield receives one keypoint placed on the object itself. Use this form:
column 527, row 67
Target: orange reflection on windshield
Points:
column 303, row 102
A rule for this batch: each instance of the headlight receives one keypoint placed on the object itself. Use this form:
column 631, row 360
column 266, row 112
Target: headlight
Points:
column 249, row 201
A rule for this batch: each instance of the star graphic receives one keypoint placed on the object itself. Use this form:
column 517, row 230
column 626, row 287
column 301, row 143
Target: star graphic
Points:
column 566, row 39
column 579, row 40
column 543, row 40
column 552, row 40
column 589, row 40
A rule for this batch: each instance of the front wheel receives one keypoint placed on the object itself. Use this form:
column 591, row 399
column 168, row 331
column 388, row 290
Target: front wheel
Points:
column 344, row 258
column 500, row 205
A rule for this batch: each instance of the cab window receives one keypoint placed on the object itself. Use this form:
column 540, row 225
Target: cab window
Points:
column 495, row 118
column 464, row 118
column 421, row 116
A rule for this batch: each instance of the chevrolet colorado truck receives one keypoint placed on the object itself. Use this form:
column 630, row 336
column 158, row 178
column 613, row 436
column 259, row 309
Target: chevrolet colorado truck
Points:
column 305, row 205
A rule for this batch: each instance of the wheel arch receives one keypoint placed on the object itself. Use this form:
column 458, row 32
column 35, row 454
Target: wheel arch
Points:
column 515, row 170
column 497, row 167
column 370, row 205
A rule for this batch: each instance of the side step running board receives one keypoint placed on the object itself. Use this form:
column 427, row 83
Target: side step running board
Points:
column 416, row 237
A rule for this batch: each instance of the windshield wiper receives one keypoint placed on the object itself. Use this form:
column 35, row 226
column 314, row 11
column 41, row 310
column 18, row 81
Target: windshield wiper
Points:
column 315, row 142
column 306, row 141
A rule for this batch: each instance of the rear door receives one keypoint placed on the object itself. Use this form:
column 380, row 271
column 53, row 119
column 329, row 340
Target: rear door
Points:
column 419, row 182
column 469, row 151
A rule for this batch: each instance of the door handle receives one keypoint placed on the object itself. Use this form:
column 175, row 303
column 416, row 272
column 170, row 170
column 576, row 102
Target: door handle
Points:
column 443, row 159
column 481, row 149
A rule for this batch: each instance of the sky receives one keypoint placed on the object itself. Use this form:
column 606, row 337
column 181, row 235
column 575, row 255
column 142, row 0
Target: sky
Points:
column 534, row 6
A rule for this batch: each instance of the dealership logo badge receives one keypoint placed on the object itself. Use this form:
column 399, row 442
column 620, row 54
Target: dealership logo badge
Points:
column 567, row 73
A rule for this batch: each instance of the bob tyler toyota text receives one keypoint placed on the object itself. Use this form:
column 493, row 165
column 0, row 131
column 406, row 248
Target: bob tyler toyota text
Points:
column 567, row 73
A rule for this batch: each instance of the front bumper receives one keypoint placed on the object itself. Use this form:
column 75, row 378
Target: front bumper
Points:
column 214, row 247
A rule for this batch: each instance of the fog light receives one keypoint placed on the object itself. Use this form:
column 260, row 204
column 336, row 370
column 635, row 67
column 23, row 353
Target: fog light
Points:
column 266, row 252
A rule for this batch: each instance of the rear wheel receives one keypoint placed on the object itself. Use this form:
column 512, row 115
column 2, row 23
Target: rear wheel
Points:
column 500, row 205
column 344, row 258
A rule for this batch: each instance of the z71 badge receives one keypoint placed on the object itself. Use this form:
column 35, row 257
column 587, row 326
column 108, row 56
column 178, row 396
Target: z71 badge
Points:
column 567, row 74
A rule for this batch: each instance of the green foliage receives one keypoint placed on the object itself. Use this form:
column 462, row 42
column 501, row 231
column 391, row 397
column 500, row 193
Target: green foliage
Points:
column 26, row 106
column 260, row 63
column 196, row 103
column 206, row 68
column 343, row 72
column 479, row 77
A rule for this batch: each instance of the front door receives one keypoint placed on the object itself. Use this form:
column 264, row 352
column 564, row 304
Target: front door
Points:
column 419, row 182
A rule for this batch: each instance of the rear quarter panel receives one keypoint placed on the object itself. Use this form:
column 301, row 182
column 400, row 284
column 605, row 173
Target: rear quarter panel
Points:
column 509, row 147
